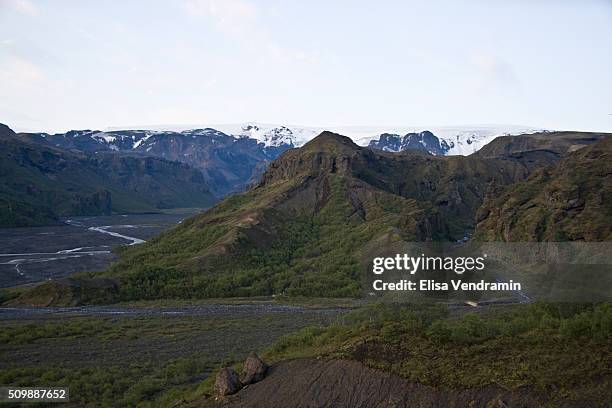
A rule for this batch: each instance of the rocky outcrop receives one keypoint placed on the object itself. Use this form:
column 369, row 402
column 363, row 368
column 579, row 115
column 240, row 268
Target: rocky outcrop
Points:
column 569, row 201
column 227, row 382
column 555, row 144
column 254, row 370
column 423, row 141
column 328, row 153
column 449, row 189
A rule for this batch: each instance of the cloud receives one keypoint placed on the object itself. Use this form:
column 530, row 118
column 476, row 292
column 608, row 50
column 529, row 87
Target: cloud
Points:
column 21, row 6
column 241, row 19
column 494, row 69
column 491, row 75
column 17, row 72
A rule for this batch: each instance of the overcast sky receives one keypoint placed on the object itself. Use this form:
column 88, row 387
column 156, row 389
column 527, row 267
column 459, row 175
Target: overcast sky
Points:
column 94, row 64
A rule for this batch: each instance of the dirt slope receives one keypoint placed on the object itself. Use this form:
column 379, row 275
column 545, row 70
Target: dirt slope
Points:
column 342, row 383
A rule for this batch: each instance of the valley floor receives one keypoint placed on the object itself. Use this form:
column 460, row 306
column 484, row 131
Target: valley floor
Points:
column 129, row 355
column 34, row 254
column 166, row 353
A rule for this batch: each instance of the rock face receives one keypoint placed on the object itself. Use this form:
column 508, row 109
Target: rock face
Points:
column 569, row 201
column 449, row 189
column 423, row 141
column 554, row 143
column 227, row 382
column 254, row 370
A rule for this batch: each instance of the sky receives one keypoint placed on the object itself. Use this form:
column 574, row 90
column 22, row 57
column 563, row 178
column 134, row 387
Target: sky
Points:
column 73, row 64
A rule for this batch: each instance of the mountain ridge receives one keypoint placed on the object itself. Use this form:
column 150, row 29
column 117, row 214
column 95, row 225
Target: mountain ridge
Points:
column 567, row 201
column 234, row 157
column 302, row 231
column 40, row 183
column 228, row 163
column 318, row 213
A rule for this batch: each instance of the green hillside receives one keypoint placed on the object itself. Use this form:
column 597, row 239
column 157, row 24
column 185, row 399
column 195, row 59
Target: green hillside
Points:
column 569, row 201
column 306, row 228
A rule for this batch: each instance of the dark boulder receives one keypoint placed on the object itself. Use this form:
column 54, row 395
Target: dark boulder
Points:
column 254, row 370
column 227, row 382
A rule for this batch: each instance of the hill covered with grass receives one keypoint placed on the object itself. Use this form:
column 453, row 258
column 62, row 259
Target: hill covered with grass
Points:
column 305, row 228
column 568, row 201
column 311, row 225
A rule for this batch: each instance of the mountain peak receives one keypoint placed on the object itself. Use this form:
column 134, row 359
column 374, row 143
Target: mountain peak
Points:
column 424, row 141
column 327, row 153
column 327, row 139
column 6, row 131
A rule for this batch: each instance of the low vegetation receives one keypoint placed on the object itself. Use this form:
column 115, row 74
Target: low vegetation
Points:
column 545, row 347
column 569, row 201
column 145, row 361
column 304, row 254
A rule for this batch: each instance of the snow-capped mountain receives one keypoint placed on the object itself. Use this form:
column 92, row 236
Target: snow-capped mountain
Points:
column 232, row 156
column 277, row 135
column 461, row 140
column 425, row 141
column 456, row 140
column 123, row 140
column 228, row 162
column 448, row 140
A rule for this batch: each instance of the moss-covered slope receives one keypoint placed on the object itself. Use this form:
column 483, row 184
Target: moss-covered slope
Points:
column 305, row 228
column 569, row 201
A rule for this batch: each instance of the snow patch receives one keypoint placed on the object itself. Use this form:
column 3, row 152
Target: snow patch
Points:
column 108, row 138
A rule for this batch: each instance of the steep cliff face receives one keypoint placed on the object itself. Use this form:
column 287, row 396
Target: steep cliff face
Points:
column 424, row 141
column 556, row 144
column 162, row 183
column 228, row 163
column 569, row 201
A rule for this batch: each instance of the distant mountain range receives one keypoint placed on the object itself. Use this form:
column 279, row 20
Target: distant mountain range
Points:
column 448, row 142
column 231, row 157
column 40, row 183
column 219, row 161
column 425, row 141
column 228, row 163
column 461, row 140
column 320, row 211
